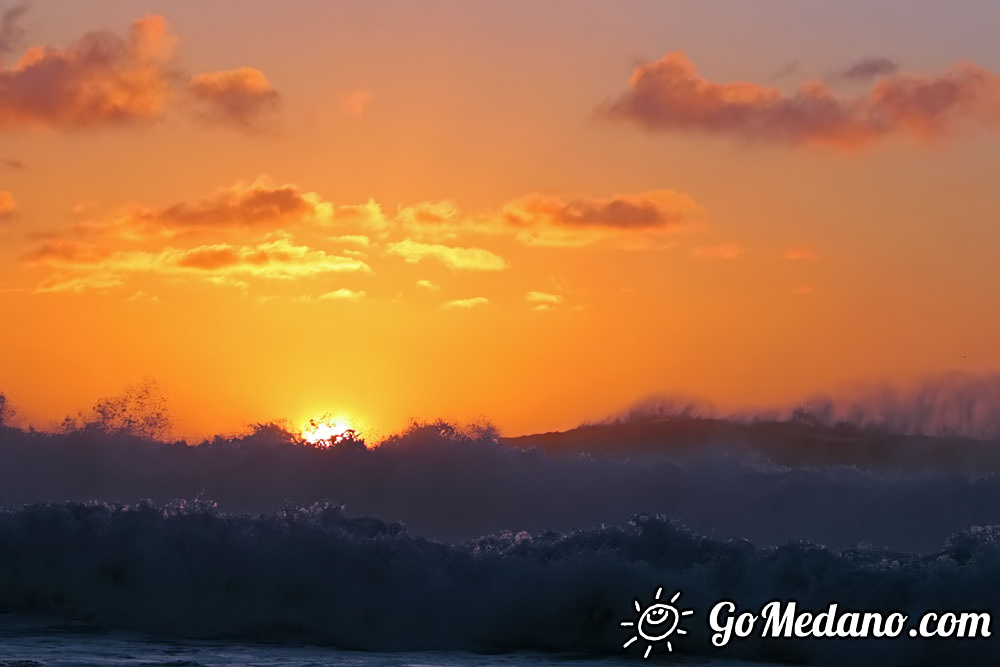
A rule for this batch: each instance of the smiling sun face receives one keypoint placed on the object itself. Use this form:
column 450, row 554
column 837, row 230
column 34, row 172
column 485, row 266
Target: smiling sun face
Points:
column 657, row 622
column 326, row 430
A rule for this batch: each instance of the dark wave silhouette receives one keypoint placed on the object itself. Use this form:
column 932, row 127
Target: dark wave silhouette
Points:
column 310, row 574
column 770, row 482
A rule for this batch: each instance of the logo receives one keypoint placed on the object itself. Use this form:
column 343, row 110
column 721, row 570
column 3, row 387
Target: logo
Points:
column 656, row 622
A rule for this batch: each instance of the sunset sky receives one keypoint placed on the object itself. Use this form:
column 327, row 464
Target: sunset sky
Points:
column 533, row 212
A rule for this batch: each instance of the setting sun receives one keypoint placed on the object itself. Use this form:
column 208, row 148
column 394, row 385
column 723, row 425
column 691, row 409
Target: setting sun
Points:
column 326, row 429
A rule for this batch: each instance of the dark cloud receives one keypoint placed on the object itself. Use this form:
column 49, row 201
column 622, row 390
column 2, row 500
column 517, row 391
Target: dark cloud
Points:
column 11, row 32
column 13, row 164
column 787, row 70
column 242, row 97
column 102, row 79
column 624, row 212
column 105, row 79
column 868, row 69
column 260, row 205
column 669, row 95
column 60, row 251
column 550, row 220
column 257, row 204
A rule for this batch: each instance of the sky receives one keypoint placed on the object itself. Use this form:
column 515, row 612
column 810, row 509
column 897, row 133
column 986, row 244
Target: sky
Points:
column 531, row 213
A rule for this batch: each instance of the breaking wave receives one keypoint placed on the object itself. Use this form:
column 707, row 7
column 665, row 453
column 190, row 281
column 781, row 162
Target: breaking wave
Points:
column 311, row 574
column 768, row 482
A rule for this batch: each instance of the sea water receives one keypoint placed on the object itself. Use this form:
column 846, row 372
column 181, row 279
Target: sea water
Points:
column 33, row 644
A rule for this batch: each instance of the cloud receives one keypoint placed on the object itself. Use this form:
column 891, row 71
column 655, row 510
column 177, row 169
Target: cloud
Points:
column 109, row 80
column 428, row 213
column 275, row 259
column 548, row 220
column 343, row 294
column 356, row 102
column 722, row 251
column 76, row 283
column 7, row 206
column 546, row 298
column 464, row 259
column 241, row 97
column 428, row 285
column 353, row 239
column 788, row 69
column 257, row 205
column 13, row 164
column 800, row 254
column 669, row 95
column 81, row 263
column 368, row 216
column 466, row 303
column 435, row 221
column 867, row 69
column 11, row 32
column 142, row 297
column 102, row 79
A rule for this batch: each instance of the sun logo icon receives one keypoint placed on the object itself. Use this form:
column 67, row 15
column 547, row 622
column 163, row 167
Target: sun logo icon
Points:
column 656, row 622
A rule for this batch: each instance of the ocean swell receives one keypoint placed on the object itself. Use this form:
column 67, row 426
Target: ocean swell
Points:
column 313, row 575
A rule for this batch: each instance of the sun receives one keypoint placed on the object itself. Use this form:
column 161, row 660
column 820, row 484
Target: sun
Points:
column 656, row 622
column 326, row 430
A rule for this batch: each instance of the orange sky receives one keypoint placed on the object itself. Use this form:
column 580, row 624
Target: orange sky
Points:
column 536, row 215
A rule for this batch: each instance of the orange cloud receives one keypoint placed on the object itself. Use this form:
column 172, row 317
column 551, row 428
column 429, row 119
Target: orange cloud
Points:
column 467, row 259
column 670, row 95
column 435, row 221
column 80, row 264
column 61, row 252
column 242, row 97
column 70, row 282
column 343, row 294
column 353, row 239
column 428, row 213
column 534, row 296
column 7, row 206
column 258, row 205
column 368, row 216
column 428, row 285
column 465, row 304
column 546, row 220
column 543, row 300
column 103, row 79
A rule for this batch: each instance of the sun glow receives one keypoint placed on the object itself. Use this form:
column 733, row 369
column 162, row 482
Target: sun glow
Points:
column 326, row 430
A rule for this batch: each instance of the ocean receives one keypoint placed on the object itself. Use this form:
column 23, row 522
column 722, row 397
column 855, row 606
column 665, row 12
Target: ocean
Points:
column 54, row 646
column 459, row 548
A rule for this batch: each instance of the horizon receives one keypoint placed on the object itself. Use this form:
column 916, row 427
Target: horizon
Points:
column 949, row 406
